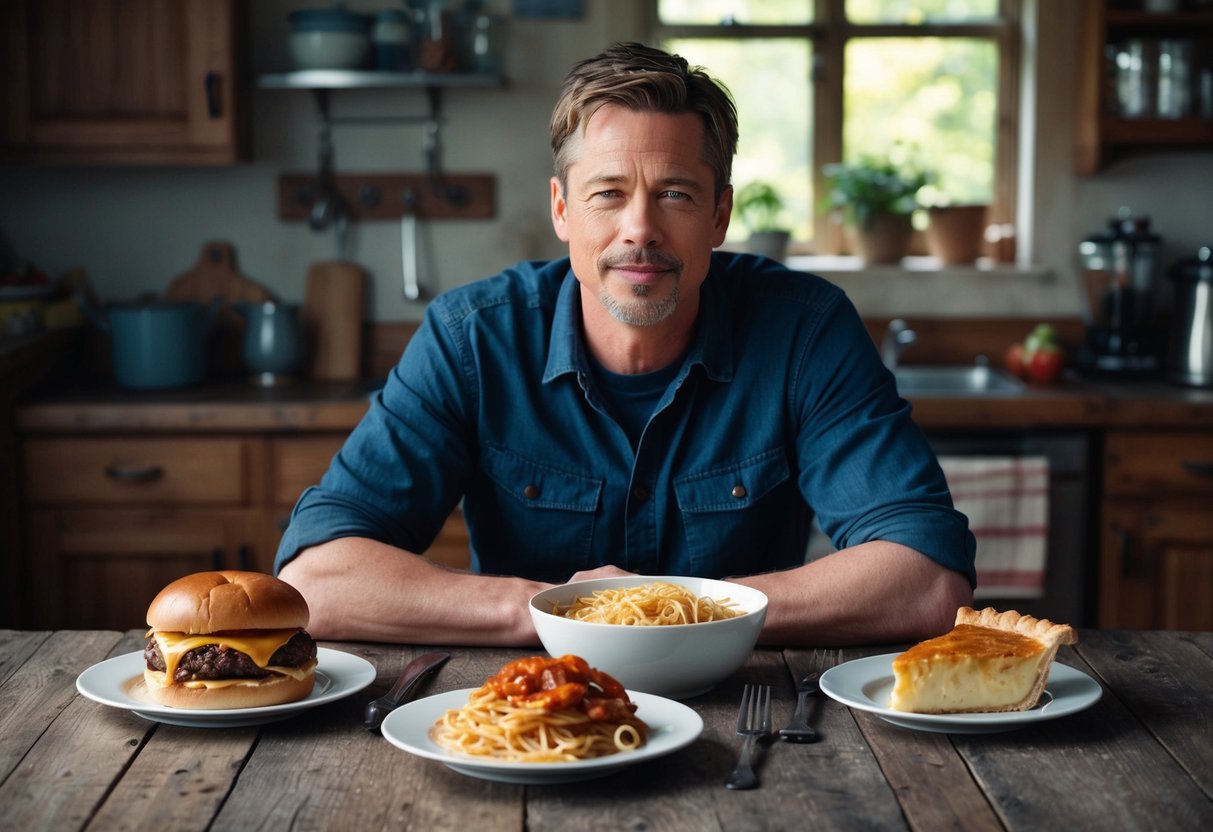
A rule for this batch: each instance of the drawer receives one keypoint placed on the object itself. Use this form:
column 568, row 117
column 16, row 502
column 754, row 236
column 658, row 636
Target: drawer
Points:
column 115, row 470
column 1146, row 462
column 299, row 462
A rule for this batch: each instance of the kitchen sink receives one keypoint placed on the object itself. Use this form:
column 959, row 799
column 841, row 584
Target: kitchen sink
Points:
column 951, row 380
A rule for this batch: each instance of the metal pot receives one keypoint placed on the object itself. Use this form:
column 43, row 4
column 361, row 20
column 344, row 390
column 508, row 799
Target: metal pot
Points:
column 1190, row 359
column 158, row 344
column 273, row 341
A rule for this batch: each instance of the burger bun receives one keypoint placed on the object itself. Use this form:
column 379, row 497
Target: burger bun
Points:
column 259, row 693
column 214, row 602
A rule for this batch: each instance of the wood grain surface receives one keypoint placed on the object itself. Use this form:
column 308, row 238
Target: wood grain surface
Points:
column 1137, row 759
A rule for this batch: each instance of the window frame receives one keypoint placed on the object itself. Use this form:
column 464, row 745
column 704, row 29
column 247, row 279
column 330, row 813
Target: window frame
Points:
column 829, row 33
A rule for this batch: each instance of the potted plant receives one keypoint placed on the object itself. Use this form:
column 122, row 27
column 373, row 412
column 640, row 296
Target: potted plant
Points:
column 876, row 198
column 760, row 208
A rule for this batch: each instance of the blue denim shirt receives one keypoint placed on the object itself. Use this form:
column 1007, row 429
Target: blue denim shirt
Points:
column 781, row 409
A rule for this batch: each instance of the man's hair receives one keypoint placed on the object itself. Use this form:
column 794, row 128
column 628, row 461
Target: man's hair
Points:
column 642, row 78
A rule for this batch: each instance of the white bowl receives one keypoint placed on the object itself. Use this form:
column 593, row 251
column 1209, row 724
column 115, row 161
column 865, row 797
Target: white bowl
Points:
column 674, row 660
column 330, row 50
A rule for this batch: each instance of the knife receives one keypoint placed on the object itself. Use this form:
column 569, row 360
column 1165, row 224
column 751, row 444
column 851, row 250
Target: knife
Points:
column 413, row 673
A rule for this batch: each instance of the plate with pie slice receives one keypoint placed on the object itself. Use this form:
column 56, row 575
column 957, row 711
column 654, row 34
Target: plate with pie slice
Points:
column 866, row 684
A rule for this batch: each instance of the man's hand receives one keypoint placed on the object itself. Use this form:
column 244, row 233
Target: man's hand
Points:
column 608, row 571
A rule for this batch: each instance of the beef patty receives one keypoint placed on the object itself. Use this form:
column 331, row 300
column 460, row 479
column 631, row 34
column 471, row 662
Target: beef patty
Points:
column 215, row 661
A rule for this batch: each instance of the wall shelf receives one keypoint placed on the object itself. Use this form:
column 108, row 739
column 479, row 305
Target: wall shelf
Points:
column 349, row 79
column 380, row 196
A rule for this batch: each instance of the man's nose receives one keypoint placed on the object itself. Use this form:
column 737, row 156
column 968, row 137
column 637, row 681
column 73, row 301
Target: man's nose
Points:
column 640, row 226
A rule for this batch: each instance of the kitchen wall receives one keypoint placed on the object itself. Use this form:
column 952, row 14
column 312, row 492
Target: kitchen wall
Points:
column 134, row 229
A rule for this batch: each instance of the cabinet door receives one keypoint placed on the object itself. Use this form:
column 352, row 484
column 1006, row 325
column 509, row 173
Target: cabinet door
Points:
column 1157, row 564
column 1187, row 587
column 123, row 81
column 101, row 568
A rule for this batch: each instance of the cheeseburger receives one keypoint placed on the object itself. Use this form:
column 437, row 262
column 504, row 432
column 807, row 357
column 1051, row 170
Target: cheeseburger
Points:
column 228, row 640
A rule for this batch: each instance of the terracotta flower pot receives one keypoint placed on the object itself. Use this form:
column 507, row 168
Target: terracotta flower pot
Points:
column 956, row 233
column 773, row 244
column 885, row 239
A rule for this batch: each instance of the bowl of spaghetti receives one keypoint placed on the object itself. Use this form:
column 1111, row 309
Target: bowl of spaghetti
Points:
column 671, row 636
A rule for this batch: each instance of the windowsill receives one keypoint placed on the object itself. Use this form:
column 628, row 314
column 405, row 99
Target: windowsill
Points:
column 920, row 286
column 830, row 265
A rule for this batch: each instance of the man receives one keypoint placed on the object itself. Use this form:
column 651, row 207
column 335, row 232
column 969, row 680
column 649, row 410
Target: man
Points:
column 645, row 405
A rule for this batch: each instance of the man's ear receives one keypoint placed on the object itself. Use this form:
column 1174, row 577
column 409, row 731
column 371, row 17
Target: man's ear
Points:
column 560, row 209
column 724, row 211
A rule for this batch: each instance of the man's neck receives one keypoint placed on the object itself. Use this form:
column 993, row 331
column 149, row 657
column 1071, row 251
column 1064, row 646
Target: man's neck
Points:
column 629, row 349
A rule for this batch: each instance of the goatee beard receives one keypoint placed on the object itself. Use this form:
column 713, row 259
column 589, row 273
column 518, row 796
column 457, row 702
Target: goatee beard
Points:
column 642, row 311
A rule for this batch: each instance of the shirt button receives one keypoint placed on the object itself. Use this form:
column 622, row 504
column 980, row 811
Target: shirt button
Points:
column 531, row 491
column 739, row 491
column 640, row 493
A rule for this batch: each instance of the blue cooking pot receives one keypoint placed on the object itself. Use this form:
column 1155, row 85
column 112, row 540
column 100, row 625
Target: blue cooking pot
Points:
column 159, row 344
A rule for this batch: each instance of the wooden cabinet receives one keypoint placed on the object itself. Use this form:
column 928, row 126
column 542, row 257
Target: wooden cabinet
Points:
column 113, row 516
column 1156, row 562
column 1102, row 130
column 124, row 81
column 299, row 461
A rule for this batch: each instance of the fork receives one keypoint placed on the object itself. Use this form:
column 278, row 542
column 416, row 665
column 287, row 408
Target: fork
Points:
column 753, row 720
column 799, row 730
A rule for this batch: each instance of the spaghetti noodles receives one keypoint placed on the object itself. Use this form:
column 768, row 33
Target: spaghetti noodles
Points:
column 540, row 709
column 656, row 603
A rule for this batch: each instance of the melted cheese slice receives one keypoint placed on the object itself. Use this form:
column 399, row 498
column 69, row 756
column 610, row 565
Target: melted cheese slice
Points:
column 969, row 669
column 258, row 646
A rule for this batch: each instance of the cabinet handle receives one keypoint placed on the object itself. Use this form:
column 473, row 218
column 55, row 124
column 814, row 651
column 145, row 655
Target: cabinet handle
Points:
column 243, row 557
column 148, row 474
column 211, row 85
column 216, row 559
column 1199, row 469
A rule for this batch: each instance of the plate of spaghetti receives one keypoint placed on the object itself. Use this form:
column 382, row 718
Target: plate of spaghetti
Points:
column 542, row 720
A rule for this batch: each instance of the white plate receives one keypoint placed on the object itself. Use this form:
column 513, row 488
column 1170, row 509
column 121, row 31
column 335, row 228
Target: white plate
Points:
column 118, row 681
column 672, row 726
column 866, row 684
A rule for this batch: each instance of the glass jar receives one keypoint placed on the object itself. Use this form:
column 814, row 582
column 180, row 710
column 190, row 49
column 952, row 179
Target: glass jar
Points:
column 1174, row 79
column 391, row 37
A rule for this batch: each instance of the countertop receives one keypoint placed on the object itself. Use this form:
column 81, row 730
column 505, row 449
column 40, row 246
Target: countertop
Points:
column 237, row 406
column 1138, row 758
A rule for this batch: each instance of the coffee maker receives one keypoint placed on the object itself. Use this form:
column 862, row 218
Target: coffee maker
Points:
column 1120, row 267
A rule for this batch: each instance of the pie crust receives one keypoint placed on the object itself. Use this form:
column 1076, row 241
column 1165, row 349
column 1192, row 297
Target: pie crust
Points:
column 990, row 662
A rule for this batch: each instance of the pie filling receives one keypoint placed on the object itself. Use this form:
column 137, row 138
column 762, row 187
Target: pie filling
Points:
column 997, row 663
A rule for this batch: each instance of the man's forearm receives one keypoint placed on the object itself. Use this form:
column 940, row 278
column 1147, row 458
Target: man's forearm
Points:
column 872, row 593
column 363, row 590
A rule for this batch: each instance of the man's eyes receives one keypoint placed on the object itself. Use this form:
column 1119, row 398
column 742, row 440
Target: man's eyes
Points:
column 613, row 194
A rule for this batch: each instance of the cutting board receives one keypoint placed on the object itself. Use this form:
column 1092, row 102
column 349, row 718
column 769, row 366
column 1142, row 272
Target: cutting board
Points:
column 215, row 279
column 332, row 319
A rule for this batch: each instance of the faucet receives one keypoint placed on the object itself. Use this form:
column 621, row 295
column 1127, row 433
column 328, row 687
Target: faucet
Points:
column 897, row 338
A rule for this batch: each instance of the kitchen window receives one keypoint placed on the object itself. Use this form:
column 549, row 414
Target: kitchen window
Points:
column 818, row 81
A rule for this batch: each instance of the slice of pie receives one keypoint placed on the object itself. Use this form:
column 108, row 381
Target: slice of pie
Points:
column 990, row 662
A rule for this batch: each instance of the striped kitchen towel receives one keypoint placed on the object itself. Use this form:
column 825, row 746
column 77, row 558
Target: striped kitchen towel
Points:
column 1006, row 499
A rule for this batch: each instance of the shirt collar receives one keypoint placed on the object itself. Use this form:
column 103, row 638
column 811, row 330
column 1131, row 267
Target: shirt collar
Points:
column 711, row 342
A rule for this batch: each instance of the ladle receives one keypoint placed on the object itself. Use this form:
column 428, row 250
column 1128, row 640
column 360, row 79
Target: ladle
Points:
column 408, row 244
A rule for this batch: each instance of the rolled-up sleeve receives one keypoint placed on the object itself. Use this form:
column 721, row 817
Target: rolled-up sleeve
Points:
column 866, row 468
column 398, row 475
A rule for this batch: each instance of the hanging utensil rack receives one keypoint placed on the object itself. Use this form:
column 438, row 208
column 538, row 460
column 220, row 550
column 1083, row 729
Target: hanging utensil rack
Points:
column 432, row 194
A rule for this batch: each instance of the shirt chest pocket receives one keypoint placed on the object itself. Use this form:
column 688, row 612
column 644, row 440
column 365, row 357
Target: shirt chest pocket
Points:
column 541, row 519
column 741, row 507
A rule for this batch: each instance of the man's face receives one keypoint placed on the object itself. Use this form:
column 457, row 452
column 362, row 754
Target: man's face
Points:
column 640, row 216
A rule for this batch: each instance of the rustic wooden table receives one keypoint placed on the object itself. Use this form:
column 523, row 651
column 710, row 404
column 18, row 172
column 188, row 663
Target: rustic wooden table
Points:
column 1140, row 758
